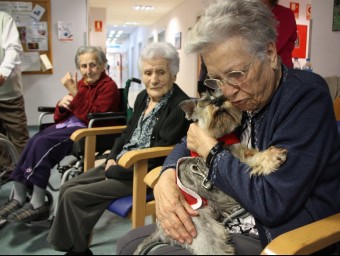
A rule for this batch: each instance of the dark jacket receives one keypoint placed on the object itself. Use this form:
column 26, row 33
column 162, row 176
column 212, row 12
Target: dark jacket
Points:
column 306, row 187
column 171, row 125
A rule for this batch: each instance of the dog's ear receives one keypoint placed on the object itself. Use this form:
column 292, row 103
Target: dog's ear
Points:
column 188, row 107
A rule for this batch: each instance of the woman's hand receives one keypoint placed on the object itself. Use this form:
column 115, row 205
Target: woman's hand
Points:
column 70, row 83
column 172, row 211
column 109, row 163
column 65, row 102
column 199, row 141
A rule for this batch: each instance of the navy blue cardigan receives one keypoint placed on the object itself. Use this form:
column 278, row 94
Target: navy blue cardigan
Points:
column 306, row 188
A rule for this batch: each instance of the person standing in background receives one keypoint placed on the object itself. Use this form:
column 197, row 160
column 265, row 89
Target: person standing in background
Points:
column 12, row 107
column 286, row 31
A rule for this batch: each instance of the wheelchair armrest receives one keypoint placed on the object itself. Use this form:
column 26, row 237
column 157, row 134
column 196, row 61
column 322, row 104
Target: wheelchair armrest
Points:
column 107, row 119
column 46, row 109
column 90, row 141
column 105, row 115
column 306, row 239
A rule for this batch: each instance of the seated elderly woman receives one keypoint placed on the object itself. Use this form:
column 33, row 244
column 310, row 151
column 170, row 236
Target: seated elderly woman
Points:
column 157, row 120
column 283, row 107
column 95, row 92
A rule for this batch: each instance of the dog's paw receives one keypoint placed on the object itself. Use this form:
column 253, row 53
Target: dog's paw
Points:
column 269, row 161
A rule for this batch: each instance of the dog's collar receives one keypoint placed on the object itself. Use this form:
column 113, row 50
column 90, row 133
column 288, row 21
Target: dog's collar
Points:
column 228, row 139
column 194, row 199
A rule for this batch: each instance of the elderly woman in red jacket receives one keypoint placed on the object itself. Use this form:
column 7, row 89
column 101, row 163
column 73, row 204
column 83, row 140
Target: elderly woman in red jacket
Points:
column 95, row 92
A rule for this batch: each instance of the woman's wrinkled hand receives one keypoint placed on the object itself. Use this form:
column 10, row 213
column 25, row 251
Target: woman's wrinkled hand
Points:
column 199, row 141
column 172, row 211
column 65, row 102
column 70, row 83
column 109, row 163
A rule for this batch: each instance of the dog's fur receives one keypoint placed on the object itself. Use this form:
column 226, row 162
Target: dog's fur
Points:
column 218, row 117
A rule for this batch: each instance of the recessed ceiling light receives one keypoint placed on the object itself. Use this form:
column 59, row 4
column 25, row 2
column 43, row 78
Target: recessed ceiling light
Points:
column 143, row 7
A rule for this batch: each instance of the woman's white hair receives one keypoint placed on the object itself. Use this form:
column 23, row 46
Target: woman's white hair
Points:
column 161, row 50
column 251, row 20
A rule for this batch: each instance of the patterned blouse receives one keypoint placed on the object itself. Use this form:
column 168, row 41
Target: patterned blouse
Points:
column 142, row 134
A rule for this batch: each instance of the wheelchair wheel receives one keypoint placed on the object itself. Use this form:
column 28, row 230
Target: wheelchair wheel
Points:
column 8, row 158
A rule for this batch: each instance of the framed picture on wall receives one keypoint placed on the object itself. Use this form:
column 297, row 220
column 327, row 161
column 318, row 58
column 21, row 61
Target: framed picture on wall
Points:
column 336, row 16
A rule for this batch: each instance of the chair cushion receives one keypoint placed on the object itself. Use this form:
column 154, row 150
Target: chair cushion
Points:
column 122, row 206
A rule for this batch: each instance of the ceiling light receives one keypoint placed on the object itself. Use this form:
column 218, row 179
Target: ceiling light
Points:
column 133, row 23
column 143, row 7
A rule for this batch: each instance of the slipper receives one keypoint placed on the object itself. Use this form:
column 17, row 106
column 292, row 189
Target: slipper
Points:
column 3, row 222
column 27, row 214
column 8, row 208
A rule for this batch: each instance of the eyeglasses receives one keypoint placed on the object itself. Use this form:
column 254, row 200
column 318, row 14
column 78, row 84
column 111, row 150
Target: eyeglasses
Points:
column 233, row 78
column 91, row 65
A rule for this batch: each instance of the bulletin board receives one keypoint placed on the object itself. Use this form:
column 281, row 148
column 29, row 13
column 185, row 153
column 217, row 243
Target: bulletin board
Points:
column 33, row 20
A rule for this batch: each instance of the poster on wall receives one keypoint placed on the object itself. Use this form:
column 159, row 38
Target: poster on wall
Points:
column 65, row 31
column 300, row 48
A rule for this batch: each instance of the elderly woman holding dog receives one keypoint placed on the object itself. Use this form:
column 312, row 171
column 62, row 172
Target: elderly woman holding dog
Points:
column 282, row 107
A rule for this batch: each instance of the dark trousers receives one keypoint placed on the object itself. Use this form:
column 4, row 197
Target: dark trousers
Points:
column 82, row 201
column 41, row 153
column 14, row 121
column 244, row 245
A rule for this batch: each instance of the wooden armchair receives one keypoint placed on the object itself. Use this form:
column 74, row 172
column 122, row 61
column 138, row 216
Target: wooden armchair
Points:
column 336, row 106
column 136, row 205
column 301, row 241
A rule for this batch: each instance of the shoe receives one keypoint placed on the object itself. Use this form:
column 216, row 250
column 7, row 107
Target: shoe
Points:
column 11, row 206
column 27, row 214
column 87, row 252
column 3, row 222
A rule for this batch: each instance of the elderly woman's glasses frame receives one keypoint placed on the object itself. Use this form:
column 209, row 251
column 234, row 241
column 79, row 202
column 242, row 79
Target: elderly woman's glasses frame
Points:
column 234, row 78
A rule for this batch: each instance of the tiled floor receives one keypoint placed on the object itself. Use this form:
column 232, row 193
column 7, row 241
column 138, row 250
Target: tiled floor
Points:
column 30, row 239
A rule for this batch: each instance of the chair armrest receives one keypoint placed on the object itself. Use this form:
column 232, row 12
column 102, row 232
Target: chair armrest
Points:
column 133, row 156
column 139, row 160
column 336, row 106
column 152, row 177
column 307, row 239
column 90, row 141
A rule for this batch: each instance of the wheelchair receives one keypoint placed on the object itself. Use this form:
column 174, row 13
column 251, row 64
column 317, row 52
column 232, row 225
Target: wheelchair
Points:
column 76, row 165
column 8, row 158
column 104, row 143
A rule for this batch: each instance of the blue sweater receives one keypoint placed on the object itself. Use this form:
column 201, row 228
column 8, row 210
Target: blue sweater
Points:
column 306, row 188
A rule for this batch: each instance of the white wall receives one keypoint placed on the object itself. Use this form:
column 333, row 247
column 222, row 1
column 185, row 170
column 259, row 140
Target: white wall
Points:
column 324, row 42
column 46, row 90
column 97, row 38
column 325, row 54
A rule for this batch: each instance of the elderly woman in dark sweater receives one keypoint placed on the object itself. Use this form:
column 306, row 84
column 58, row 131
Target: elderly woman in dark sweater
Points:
column 157, row 121
column 282, row 107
